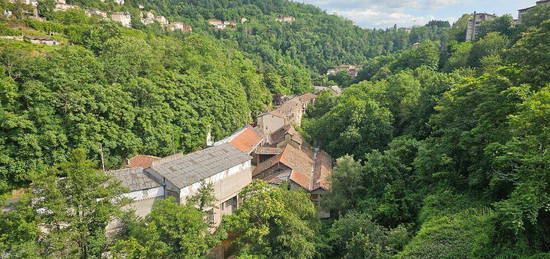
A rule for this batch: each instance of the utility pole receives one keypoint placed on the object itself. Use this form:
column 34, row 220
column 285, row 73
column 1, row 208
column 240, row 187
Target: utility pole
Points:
column 102, row 159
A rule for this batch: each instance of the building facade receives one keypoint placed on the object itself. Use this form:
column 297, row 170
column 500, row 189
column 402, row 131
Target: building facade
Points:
column 522, row 12
column 227, row 168
column 477, row 19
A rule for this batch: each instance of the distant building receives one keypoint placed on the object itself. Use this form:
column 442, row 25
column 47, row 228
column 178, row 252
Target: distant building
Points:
column 416, row 45
column 42, row 40
column 123, row 18
column 7, row 13
column 217, row 23
column 243, row 20
column 474, row 23
column 179, row 26
column 28, row 2
column 225, row 166
column 162, row 20
column 119, row 2
column 288, row 19
column 65, row 7
column 522, row 12
column 96, row 12
column 353, row 71
column 148, row 18
column 18, row 38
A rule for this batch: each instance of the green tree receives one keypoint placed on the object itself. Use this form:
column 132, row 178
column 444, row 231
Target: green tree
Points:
column 273, row 222
column 170, row 231
column 74, row 203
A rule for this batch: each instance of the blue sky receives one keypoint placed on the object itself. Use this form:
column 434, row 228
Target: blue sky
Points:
column 405, row 13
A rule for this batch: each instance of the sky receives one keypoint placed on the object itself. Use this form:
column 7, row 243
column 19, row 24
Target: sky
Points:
column 406, row 13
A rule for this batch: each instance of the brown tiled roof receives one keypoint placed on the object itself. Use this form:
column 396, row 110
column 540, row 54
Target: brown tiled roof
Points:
column 306, row 98
column 279, row 135
column 247, row 140
column 144, row 161
column 309, row 169
column 269, row 151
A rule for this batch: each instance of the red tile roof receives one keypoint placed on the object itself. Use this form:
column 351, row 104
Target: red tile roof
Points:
column 247, row 140
column 144, row 161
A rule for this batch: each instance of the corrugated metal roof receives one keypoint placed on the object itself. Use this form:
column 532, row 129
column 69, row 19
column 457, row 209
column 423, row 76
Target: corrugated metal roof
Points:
column 185, row 170
column 134, row 179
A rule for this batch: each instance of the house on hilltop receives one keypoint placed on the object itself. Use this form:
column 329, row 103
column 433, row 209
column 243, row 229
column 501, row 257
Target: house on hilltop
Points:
column 287, row 19
column 475, row 22
column 522, row 12
column 179, row 26
column 124, row 18
column 353, row 71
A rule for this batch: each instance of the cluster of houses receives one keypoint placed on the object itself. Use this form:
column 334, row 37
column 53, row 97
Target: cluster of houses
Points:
column 352, row 70
column 122, row 17
column 271, row 150
column 477, row 19
column 287, row 19
column 222, row 25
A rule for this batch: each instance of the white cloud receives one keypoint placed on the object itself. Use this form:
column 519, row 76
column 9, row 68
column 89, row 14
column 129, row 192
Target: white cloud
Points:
column 376, row 19
column 386, row 13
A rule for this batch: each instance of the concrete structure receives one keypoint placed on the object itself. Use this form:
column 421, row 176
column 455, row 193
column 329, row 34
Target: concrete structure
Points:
column 353, row 71
column 142, row 189
column 288, row 19
column 148, row 18
column 179, row 26
column 7, row 13
column 474, row 23
column 119, row 2
column 28, row 2
column 64, row 7
column 42, row 40
column 162, row 20
column 123, row 18
column 226, row 167
column 522, row 12
column 96, row 12
column 217, row 23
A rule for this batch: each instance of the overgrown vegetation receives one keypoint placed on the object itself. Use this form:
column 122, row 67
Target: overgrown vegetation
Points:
column 442, row 148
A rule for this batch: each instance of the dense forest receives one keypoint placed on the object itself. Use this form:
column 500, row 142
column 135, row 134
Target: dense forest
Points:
column 441, row 149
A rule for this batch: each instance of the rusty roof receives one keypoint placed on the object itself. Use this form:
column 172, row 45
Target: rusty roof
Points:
column 310, row 170
column 144, row 161
column 247, row 140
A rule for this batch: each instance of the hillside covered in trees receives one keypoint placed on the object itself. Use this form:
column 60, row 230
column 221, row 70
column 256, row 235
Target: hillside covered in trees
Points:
column 441, row 149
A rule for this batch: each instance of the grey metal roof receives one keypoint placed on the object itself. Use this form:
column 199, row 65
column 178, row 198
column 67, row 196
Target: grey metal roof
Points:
column 184, row 170
column 134, row 179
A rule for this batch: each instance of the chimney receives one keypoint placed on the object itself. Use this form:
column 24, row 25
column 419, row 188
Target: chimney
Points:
column 209, row 141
